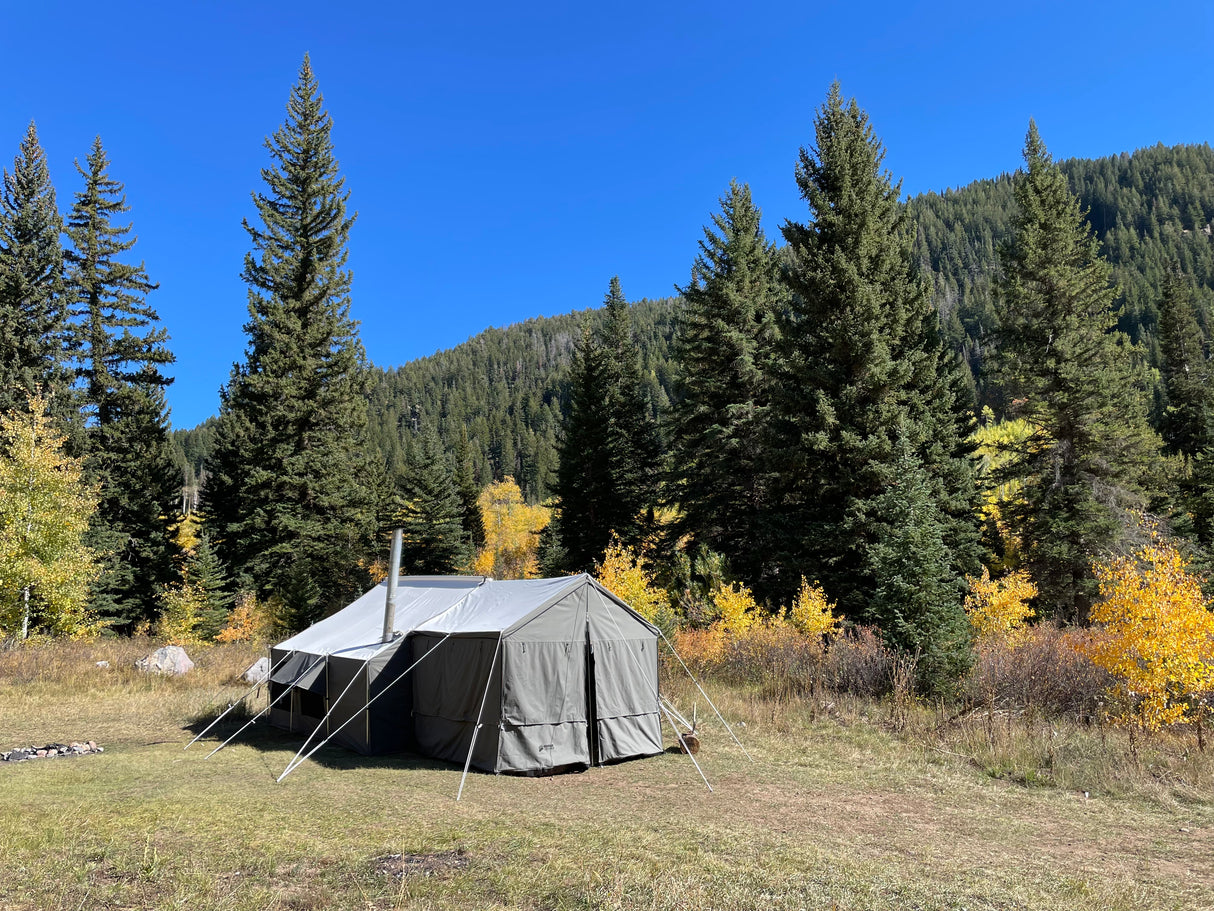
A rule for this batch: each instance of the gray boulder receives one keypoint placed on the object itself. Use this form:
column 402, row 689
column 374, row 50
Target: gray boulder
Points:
column 170, row 660
column 258, row 671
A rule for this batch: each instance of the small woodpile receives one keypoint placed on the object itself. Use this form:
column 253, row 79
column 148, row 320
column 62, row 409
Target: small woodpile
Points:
column 51, row 751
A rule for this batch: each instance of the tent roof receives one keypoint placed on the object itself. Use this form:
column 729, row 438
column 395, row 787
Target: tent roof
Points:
column 499, row 606
column 356, row 629
column 435, row 604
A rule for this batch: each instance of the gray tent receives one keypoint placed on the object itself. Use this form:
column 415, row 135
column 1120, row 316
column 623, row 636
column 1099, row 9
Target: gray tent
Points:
column 558, row 673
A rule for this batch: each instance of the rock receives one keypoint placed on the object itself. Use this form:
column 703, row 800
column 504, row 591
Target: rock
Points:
column 103, row 664
column 170, row 659
column 258, row 671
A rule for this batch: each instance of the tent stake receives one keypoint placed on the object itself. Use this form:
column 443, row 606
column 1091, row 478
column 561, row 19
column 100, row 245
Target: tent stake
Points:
column 705, row 695
column 246, row 695
column 679, row 738
column 476, row 730
column 332, row 706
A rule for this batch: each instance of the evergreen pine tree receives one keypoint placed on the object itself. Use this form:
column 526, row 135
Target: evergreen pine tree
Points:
column 33, row 318
column 1075, row 379
column 469, row 492
column 120, row 349
column 918, row 598
column 1188, row 419
column 633, row 441
column 431, row 515
column 610, row 452
column 722, row 346
column 859, row 359
column 206, row 573
column 286, row 500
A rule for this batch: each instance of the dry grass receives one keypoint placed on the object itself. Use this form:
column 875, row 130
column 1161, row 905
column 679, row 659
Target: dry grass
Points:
column 835, row 810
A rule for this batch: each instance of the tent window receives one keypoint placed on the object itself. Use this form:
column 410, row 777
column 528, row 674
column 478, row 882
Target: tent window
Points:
column 311, row 704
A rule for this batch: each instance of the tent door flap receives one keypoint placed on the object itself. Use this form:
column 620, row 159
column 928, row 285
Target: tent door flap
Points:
column 592, row 715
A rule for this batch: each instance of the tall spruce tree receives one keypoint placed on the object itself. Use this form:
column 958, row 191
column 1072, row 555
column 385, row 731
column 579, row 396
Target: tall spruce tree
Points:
column 120, row 348
column 1187, row 422
column 1076, row 380
column 33, row 316
column 286, row 499
column 918, row 600
column 469, row 491
column 610, row 451
column 860, row 360
column 722, row 345
column 1188, row 417
column 431, row 514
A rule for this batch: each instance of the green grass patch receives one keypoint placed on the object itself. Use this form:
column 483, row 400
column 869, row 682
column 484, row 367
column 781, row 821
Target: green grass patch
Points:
column 836, row 810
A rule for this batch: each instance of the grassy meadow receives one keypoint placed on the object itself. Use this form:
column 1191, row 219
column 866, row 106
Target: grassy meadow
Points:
column 846, row 804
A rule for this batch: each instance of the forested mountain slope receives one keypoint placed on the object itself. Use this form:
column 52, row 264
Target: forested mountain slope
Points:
column 503, row 390
column 1148, row 209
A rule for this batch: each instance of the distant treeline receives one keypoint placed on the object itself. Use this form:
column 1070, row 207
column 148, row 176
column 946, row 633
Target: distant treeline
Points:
column 506, row 387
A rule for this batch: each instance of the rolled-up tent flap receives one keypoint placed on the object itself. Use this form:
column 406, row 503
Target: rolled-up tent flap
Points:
column 303, row 670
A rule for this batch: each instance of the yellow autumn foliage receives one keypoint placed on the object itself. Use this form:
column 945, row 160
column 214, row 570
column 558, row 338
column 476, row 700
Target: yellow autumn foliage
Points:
column 181, row 614
column 45, row 507
column 512, row 532
column 997, row 608
column 1155, row 634
column 998, row 444
column 811, row 613
column 736, row 608
column 622, row 573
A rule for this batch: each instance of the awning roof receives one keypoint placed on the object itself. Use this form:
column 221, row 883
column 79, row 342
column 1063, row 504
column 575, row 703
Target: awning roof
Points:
column 356, row 629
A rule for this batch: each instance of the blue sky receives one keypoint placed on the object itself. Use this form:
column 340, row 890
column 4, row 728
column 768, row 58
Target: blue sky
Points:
column 507, row 159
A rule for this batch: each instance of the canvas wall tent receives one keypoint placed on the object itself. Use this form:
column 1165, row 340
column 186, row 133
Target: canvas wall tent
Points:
column 559, row 672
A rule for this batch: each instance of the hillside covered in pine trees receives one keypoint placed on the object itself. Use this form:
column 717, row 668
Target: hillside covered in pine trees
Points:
column 505, row 387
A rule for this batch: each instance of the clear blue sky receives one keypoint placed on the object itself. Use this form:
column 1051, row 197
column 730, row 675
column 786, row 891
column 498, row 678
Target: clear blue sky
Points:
column 506, row 159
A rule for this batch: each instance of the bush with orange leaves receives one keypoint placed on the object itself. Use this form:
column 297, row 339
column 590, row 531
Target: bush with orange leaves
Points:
column 249, row 621
column 1155, row 634
column 783, row 654
column 997, row 608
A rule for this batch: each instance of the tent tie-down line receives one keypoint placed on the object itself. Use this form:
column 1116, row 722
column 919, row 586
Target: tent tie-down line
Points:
column 296, row 761
column 299, row 759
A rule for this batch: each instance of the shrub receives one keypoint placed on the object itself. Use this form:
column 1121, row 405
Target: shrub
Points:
column 1043, row 670
column 1155, row 635
column 811, row 613
column 735, row 608
column 621, row 573
column 781, row 660
column 180, row 617
column 250, row 621
column 997, row 608
column 859, row 662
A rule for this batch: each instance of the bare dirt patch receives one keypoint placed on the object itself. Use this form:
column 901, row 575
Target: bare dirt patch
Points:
column 402, row 865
